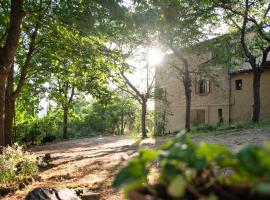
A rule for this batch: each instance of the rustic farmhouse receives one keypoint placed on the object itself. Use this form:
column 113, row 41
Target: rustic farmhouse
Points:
column 226, row 98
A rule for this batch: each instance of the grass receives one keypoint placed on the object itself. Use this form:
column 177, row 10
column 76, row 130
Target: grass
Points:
column 226, row 128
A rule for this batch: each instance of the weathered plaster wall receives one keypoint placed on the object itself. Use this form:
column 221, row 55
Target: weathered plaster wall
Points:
column 218, row 98
column 242, row 100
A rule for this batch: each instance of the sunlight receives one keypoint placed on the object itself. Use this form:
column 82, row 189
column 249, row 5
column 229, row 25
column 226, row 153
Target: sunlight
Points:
column 155, row 56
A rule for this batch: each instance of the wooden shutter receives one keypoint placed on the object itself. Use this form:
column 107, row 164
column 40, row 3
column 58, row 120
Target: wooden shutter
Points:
column 207, row 86
column 196, row 86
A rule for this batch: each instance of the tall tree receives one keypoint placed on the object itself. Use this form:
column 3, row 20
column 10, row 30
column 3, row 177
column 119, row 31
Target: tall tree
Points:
column 9, row 43
column 141, row 92
column 11, row 93
column 178, row 25
column 46, row 22
column 251, row 21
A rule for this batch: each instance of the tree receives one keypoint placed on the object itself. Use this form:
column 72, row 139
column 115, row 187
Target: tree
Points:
column 11, row 94
column 9, row 43
column 178, row 25
column 142, row 95
column 46, row 22
column 64, row 94
column 76, row 64
column 250, row 20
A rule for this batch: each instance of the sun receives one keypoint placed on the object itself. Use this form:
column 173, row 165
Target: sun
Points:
column 154, row 56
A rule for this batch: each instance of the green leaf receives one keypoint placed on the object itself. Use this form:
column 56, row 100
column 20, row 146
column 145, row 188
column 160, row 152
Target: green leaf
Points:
column 148, row 155
column 263, row 188
column 135, row 171
column 177, row 187
column 249, row 160
column 211, row 151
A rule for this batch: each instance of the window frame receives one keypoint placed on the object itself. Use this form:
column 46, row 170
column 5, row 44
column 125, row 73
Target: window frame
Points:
column 206, row 87
column 237, row 86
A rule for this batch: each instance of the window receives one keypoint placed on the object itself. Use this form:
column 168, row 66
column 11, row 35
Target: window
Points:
column 220, row 113
column 202, row 87
column 160, row 92
column 238, row 84
column 220, row 116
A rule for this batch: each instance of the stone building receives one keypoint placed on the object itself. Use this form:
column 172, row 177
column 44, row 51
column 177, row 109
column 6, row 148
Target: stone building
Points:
column 226, row 98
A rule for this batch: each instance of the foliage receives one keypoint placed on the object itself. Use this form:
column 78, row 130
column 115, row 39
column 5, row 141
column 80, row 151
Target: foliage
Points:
column 103, row 118
column 221, row 128
column 193, row 171
column 62, row 40
column 87, row 118
column 16, row 164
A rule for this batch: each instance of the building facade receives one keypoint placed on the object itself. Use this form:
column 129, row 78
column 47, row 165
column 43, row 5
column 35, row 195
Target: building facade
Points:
column 226, row 98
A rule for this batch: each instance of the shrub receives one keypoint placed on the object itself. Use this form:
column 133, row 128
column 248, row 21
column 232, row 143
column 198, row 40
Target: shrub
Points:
column 206, row 128
column 48, row 138
column 189, row 171
column 16, row 164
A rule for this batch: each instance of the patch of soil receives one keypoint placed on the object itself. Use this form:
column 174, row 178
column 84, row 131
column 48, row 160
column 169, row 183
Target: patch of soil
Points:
column 91, row 163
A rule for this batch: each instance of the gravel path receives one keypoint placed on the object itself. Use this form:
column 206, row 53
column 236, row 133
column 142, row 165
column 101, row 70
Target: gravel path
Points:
column 91, row 163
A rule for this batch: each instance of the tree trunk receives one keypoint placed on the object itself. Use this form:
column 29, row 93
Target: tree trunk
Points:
column 7, row 53
column 256, row 96
column 122, row 129
column 143, row 118
column 2, row 108
column 65, row 136
column 188, row 106
column 9, row 108
column 187, row 85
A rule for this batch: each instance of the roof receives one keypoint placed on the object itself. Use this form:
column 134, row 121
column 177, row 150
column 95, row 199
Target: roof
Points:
column 247, row 68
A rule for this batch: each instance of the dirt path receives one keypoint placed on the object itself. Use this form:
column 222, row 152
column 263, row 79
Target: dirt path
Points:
column 91, row 163
column 237, row 139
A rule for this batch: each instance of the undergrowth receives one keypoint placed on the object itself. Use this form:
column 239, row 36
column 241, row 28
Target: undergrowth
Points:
column 223, row 128
column 16, row 164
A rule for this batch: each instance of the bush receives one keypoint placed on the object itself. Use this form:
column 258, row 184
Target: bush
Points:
column 48, row 138
column 206, row 128
column 205, row 171
column 16, row 164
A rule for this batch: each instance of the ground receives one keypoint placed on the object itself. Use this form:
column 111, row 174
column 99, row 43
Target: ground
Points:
column 91, row 163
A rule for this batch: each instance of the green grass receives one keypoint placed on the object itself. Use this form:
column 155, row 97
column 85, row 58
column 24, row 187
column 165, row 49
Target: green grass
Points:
column 226, row 128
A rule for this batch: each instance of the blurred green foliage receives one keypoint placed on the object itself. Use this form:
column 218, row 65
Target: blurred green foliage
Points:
column 185, row 168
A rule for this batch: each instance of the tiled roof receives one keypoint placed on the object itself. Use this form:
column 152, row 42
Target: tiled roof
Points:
column 246, row 68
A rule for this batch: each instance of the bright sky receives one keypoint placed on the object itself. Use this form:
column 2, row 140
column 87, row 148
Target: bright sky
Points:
column 140, row 60
column 151, row 57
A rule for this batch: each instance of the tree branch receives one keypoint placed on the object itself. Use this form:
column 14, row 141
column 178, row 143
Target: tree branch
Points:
column 150, row 86
column 264, row 57
column 71, row 94
column 251, row 57
column 131, row 85
column 26, row 62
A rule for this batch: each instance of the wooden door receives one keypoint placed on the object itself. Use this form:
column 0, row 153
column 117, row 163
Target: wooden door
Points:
column 201, row 116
